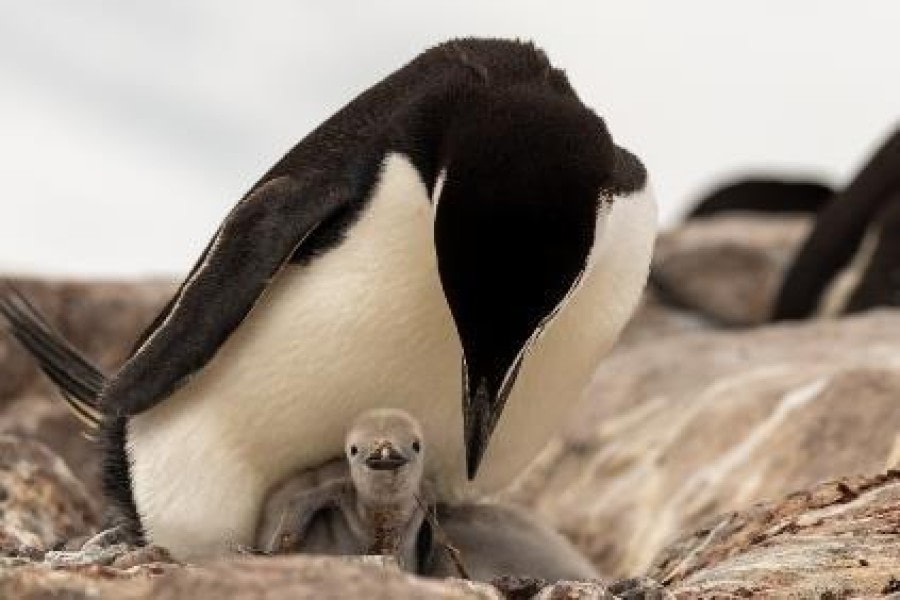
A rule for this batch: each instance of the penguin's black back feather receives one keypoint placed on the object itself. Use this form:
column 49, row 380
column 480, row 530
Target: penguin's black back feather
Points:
column 764, row 195
column 374, row 116
column 77, row 378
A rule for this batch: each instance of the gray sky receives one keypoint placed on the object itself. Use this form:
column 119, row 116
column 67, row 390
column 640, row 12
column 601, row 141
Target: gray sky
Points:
column 127, row 130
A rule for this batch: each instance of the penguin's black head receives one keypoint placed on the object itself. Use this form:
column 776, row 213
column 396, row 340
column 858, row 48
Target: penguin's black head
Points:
column 524, row 178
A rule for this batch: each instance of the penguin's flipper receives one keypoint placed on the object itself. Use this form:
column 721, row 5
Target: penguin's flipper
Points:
column 839, row 229
column 256, row 239
column 79, row 381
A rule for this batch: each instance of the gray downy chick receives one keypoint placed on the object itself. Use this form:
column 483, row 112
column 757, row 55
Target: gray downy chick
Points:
column 367, row 505
column 494, row 540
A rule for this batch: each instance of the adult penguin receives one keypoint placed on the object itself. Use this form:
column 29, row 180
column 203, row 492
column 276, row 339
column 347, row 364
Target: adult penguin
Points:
column 462, row 240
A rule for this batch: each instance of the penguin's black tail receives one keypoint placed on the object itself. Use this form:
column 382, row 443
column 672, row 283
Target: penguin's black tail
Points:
column 78, row 380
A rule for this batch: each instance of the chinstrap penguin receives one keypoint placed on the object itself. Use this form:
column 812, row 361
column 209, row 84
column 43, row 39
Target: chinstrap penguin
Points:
column 464, row 237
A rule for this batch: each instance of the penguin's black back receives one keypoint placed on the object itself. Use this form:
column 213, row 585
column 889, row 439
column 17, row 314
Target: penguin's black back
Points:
column 764, row 195
column 409, row 108
column 407, row 112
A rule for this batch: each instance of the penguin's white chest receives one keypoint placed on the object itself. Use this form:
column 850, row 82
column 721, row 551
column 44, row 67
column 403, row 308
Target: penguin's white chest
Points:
column 363, row 325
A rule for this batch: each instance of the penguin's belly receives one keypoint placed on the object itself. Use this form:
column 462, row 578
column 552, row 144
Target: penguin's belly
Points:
column 364, row 325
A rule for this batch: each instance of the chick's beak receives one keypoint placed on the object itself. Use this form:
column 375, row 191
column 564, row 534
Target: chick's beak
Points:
column 385, row 457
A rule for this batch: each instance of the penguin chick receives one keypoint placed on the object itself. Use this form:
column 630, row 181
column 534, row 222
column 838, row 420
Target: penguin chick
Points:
column 494, row 540
column 369, row 503
column 373, row 508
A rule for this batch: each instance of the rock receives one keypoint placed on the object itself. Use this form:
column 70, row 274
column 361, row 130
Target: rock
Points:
column 576, row 590
column 684, row 429
column 309, row 577
column 515, row 587
column 728, row 267
column 102, row 319
column 653, row 320
column 41, row 502
column 838, row 540
column 288, row 576
column 678, row 431
column 41, row 582
column 16, row 371
column 271, row 578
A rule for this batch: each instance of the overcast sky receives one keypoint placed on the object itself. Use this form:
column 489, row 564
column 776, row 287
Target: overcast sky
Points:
column 127, row 130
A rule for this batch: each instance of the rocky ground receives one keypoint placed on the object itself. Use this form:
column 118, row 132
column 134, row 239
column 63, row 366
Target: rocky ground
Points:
column 715, row 462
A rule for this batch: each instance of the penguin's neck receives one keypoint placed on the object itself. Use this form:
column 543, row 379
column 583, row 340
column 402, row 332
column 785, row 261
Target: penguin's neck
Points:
column 386, row 524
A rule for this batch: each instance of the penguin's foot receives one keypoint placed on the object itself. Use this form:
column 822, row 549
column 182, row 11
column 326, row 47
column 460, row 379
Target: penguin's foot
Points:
column 119, row 556
column 143, row 555
column 94, row 555
column 103, row 549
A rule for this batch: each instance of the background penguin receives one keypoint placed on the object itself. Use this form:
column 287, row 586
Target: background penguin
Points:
column 750, row 196
column 764, row 195
column 837, row 242
column 464, row 237
column 879, row 282
column 847, row 264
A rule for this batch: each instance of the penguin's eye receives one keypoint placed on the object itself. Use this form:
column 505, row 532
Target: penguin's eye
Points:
column 416, row 446
column 354, row 450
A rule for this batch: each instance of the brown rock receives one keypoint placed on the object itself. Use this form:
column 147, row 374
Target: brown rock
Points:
column 677, row 431
column 285, row 576
column 16, row 371
column 275, row 578
column 729, row 267
column 41, row 503
column 837, row 540
column 654, row 320
column 39, row 582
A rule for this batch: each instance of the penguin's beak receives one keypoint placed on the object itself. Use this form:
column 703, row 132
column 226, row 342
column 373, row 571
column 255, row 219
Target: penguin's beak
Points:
column 385, row 457
column 483, row 404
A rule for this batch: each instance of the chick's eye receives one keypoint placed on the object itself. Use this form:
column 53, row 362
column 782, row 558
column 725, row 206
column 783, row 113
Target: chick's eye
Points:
column 416, row 446
column 354, row 450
